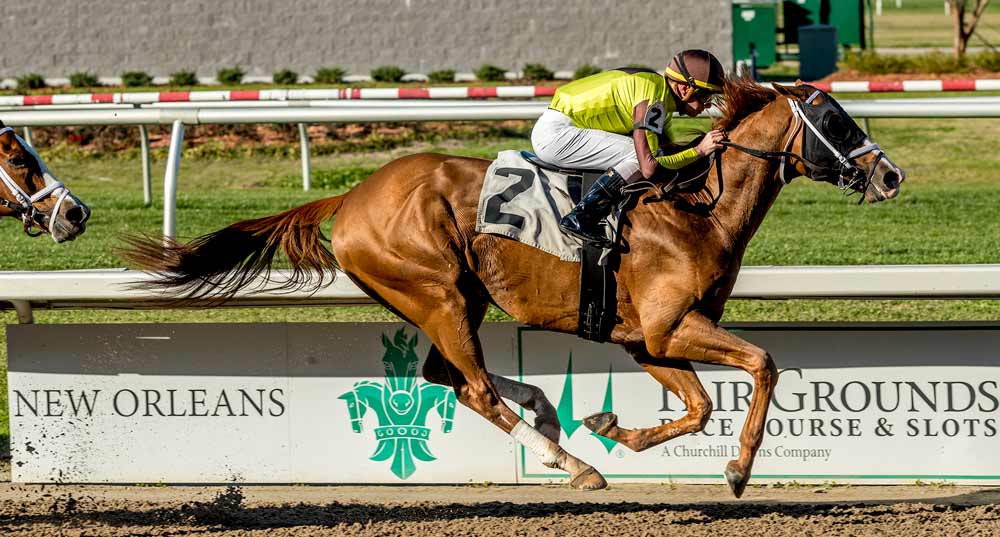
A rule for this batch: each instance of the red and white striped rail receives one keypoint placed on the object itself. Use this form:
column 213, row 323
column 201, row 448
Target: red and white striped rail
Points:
column 484, row 92
column 281, row 95
column 863, row 86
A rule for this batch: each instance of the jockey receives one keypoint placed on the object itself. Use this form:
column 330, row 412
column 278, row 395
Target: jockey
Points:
column 619, row 121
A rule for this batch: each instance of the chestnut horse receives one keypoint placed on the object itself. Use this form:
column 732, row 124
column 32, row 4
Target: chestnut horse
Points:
column 30, row 193
column 406, row 237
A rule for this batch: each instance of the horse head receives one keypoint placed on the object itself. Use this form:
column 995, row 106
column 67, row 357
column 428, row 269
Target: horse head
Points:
column 32, row 194
column 831, row 147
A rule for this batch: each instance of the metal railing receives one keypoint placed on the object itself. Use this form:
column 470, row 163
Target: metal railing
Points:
column 123, row 289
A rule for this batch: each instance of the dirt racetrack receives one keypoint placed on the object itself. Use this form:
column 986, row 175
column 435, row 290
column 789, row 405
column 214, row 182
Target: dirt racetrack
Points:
column 497, row 510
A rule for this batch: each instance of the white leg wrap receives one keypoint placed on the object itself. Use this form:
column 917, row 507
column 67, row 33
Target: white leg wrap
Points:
column 542, row 447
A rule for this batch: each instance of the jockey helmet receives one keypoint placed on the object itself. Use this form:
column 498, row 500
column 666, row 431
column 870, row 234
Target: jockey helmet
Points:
column 699, row 69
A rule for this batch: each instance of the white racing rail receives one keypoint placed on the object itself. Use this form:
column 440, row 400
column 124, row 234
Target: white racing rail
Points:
column 123, row 289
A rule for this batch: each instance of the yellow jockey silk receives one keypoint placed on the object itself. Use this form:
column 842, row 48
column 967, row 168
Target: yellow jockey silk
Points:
column 606, row 101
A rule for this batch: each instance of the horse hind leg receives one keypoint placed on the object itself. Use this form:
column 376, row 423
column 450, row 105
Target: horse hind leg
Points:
column 677, row 376
column 533, row 399
column 527, row 396
column 444, row 314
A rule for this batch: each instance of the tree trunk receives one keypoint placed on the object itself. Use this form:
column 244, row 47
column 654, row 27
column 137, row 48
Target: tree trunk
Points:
column 964, row 30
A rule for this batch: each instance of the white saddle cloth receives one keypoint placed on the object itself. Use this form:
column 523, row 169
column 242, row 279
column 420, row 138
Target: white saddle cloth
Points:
column 523, row 202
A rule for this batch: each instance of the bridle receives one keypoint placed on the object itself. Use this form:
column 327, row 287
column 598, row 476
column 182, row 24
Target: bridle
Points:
column 24, row 206
column 850, row 176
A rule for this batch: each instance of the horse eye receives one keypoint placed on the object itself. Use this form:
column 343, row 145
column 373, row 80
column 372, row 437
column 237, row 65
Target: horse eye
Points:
column 836, row 126
column 18, row 161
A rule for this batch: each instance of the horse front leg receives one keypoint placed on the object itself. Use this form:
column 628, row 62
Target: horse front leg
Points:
column 677, row 376
column 699, row 339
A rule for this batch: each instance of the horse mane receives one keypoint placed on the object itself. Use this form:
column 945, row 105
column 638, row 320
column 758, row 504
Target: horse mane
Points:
column 743, row 96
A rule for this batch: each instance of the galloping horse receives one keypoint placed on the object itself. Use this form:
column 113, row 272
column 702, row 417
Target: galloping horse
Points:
column 33, row 195
column 406, row 237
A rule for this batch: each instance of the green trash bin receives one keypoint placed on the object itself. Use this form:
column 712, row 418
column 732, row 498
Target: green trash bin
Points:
column 754, row 27
column 817, row 51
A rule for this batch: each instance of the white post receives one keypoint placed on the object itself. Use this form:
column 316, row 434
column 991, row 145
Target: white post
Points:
column 878, row 8
column 947, row 8
column 170, row 180
column 28, row 137
column 147, row 174
column 899, row 4
column 304, row 142
column 24, row 313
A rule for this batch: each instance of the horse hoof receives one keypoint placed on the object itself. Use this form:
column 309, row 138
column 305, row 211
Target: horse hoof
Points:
column 601, row 423
column 589, row 479
column 736, row 478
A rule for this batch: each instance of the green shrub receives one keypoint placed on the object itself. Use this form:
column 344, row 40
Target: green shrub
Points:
column 937, row 63
column 442, row 76
column 585, row 70
column 132, row 79
column 83, row 79
column 30, row 81
column 230, row 75
column 285, row 76
column 882, row 64
column 535, row 72
column 988, row 60
column 490, row 73
column 387, row 73
column 870, row 62
column 329, row 75
column 184, row 78
column 332, row 178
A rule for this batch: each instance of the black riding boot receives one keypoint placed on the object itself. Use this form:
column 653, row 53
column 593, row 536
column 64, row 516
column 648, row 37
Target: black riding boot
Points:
column 584, row 221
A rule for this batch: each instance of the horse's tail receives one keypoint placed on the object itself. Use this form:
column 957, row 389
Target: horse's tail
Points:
column 219, row 264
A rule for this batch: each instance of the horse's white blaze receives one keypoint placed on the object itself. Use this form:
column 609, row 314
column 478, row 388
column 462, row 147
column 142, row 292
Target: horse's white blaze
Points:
column 543, row 448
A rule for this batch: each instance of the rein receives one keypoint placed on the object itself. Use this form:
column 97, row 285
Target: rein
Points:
column 24, row 207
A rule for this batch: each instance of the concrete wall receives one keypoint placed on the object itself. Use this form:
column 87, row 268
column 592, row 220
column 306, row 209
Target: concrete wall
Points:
column 58, row 37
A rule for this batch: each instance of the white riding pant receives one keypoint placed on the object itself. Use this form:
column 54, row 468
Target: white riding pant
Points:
column 558, row 141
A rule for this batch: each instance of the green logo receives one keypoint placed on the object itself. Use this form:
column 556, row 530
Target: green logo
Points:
column 401, row 405
column 565, row 408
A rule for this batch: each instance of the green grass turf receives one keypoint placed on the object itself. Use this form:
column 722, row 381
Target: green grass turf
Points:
column 946, row 214
column 923, row 23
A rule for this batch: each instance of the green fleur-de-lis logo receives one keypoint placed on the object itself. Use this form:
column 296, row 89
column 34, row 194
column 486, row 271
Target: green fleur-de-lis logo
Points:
column 402, row 406
column 565, row 409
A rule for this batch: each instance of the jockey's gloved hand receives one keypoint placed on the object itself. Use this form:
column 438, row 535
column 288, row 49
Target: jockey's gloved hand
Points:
column 710, row 143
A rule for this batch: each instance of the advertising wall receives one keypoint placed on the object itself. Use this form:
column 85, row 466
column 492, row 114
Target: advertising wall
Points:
column 345, row 403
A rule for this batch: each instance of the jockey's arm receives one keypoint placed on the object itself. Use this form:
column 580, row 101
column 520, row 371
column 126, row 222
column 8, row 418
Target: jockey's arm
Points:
column 650, row 124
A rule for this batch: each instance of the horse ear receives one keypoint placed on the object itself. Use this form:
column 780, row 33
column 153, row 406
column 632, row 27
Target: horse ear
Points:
column 799, row 91
column 1, row 124
column 782, row 90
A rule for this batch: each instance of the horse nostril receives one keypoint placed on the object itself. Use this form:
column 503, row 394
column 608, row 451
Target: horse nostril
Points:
column 891, row 179
column 75, row 215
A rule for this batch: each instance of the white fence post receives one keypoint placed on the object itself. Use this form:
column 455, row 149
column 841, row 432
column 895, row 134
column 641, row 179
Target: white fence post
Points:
column 170, row 180
column 304, row 142
column 28, row 138
column 147, row 174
